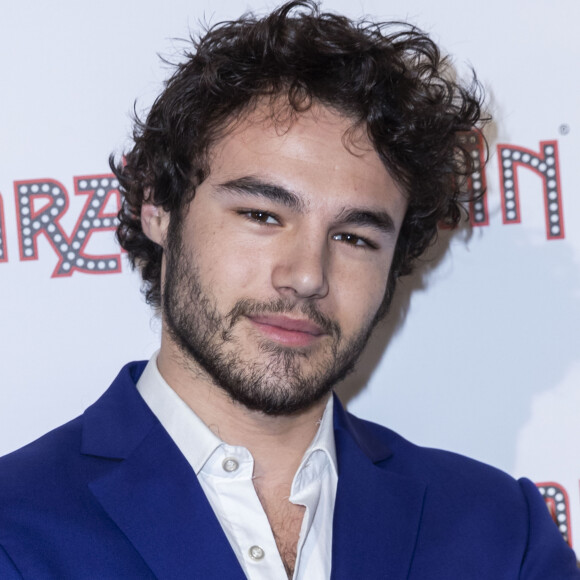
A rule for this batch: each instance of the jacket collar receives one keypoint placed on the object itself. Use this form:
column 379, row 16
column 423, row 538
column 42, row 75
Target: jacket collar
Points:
column 118, row 421
column 378, row 511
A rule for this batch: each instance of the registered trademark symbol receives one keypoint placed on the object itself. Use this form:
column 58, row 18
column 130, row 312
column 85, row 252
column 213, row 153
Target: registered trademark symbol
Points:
column 564, row 129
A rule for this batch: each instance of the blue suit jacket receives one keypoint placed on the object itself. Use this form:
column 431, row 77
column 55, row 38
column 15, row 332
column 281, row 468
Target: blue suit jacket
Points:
column 109, row 495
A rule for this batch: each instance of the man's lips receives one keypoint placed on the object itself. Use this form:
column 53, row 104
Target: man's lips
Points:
column 290, row 331
column 286, row 323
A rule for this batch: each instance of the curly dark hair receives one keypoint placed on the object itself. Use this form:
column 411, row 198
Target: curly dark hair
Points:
column 388, row 78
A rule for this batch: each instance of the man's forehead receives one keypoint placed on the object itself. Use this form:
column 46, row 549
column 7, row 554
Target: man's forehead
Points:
column 276, row 117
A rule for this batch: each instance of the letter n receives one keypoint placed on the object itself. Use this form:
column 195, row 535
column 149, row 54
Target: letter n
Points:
column 558, row 505
column 546, row 165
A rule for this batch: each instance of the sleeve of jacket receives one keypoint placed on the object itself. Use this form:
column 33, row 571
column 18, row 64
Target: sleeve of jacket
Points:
column 8, row 570
column 547, row 554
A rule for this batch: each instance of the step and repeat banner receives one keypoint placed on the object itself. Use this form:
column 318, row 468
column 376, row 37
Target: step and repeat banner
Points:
column 481, row 352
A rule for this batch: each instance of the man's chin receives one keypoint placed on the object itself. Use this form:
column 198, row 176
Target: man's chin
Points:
column 281, row 405
column 277, row 390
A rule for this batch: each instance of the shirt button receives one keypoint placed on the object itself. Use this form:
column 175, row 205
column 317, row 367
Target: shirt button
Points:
column 230, row 464
column 256, row 553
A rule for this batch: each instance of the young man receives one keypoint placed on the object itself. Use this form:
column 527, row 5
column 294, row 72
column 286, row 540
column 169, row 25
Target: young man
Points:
column 291, row 171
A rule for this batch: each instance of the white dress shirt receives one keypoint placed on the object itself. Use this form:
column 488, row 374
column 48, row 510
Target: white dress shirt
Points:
column 225, row 474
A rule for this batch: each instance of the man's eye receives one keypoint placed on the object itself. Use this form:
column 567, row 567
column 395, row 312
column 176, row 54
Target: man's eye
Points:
column 353, row 240
column 261, row 216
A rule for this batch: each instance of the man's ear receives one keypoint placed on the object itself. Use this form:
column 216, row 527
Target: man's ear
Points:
column 154, row 222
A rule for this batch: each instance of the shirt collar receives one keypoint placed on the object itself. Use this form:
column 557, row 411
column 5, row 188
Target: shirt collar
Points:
column 324, row 438
column 195, row 440
column 192, row 436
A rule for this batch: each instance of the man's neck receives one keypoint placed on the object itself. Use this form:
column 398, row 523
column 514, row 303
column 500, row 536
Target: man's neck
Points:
column 277, row 443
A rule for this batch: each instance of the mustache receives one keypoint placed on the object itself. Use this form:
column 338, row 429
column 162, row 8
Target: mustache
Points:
column 250, row 307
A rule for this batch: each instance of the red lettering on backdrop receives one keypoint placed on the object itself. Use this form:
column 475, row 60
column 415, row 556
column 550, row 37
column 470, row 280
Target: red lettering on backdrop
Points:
column 476, row 183
column 546, row 165
column 3, row 248
column 41, row 203
column 558, row 504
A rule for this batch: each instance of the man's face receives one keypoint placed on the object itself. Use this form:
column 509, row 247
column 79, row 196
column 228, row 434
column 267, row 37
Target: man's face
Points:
column 275, row 272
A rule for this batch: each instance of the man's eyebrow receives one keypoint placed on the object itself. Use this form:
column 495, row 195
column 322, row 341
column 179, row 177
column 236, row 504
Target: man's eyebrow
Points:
column 251, row 185
column 255, row 186
column 376, row 219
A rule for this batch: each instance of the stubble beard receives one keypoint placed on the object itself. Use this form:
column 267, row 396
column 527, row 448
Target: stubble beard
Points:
column 278, row 380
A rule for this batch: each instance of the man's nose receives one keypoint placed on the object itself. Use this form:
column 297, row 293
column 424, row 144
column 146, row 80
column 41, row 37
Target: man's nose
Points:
column 301, row 267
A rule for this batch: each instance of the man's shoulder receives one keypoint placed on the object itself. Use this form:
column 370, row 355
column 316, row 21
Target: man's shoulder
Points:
column 32, row 464
column 435, row 467
column 465, row 508
column 48, row 498
column 44, row 484
column 57, row 457
column 458, row 492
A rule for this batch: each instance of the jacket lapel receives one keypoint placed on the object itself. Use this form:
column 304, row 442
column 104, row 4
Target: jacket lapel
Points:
column 377, row 512
column 152, row 494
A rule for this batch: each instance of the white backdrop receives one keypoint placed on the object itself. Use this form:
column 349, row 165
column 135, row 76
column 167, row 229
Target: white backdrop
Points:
column 481, row 352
